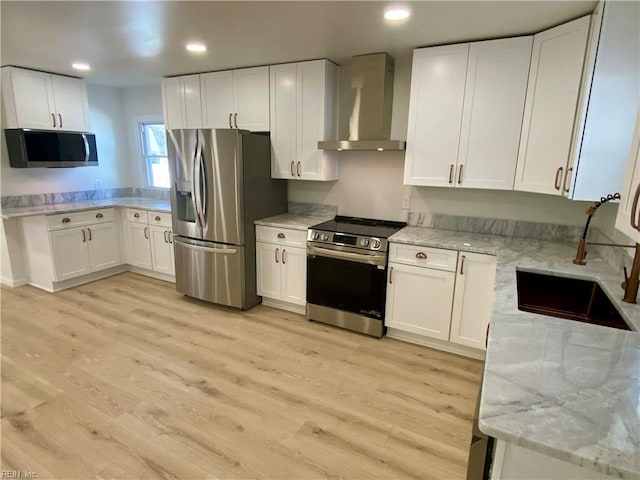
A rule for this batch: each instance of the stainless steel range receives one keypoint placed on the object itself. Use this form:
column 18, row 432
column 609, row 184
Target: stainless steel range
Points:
column 347, row 272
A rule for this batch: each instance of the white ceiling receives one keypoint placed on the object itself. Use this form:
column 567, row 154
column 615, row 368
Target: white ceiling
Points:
column 136, row 43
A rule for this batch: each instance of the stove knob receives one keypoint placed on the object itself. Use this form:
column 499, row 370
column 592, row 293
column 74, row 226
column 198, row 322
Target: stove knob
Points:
column 325, row 237
column 315, row 235
column 364, row 242
column 375, row 244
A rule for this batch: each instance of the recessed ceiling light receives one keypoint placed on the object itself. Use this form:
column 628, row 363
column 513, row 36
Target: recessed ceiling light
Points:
column 380, row 149
column 396, row 14
column 81, row 66
column 196, row 47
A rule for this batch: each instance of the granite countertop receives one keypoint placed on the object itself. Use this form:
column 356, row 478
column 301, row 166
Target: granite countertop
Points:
column 134, row 202
column 293, row 221
column 563, row 388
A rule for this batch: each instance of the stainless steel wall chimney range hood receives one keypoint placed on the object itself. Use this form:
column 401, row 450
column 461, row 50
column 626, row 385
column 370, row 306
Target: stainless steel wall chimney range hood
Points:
column 370, row 103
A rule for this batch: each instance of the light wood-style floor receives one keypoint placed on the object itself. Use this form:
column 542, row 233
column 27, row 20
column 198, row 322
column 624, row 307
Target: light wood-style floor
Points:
column 125, row 378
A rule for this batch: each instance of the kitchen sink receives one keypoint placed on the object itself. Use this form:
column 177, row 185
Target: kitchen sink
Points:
column 569, row 298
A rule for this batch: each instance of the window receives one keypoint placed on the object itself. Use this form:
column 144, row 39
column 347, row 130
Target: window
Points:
column 154, row 151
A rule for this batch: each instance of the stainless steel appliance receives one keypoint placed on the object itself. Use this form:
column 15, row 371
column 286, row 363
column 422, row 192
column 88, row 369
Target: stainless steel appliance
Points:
column 347, row 273
column 221, row 184
column 28, row 148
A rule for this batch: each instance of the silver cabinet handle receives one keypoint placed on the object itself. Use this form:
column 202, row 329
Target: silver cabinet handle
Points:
column 60, row 117
column 293, row 174
column 145, row 233
column 558, row 178
column 277, row 255
column 165, row 237
column 90, row 236
column 284, row 252
column 462, row 265
column 84, row 238
column 634, row 209
column 568, row 178
column 230, row 126
column 390, row 274
column 451, row 173
column 460, row 175
column 170, row 235
column 298, row 169
column 235, row 119
column 53, row 120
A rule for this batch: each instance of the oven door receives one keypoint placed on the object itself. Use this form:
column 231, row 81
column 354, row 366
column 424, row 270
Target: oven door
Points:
column 347, row 279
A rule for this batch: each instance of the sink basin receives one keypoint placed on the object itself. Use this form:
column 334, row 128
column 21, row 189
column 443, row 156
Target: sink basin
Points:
column 569, row 298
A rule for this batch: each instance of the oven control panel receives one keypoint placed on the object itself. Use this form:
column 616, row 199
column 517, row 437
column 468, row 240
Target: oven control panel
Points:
column 344, row 239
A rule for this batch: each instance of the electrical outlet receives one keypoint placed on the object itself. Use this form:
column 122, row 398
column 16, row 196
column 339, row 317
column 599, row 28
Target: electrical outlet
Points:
column 406, row 198
column 97, row 182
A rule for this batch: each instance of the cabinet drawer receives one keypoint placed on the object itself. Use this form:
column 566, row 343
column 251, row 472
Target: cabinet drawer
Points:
column 160, row 219
column 137, row 216
column 281, row 236
column 437, row 258
column 74, row 219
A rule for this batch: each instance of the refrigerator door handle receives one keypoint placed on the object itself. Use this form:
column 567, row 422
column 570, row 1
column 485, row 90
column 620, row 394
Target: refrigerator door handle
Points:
column 192, row 246
column 197, row 194
column 204, row 194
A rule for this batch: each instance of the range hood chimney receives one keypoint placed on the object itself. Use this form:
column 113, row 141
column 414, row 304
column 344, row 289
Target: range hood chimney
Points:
column 370, row 103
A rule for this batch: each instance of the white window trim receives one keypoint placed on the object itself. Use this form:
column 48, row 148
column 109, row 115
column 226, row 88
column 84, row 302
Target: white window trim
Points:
column 137, row 121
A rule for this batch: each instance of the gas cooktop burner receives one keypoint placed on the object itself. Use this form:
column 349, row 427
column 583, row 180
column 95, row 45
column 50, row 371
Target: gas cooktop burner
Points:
column 354, row 232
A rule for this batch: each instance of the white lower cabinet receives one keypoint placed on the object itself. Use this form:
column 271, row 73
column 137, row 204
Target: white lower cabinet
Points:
column 69, row 254
column 148, row 241
column 103, row 246
column 440, row 294
column 281, row 267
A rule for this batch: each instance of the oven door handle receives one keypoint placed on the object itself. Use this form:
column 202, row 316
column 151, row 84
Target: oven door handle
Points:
column 379, row 260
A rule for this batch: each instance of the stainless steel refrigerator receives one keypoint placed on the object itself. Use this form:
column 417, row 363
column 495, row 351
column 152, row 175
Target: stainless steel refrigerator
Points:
column 221, row 183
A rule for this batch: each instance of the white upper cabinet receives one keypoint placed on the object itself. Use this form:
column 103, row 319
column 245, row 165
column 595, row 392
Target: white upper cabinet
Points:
column 435, row 114
column 44, row 101
column 181, row 102
column 495, row 92
column 304, row 106
column 552, row 96
column 608, row 102
column 465, row 113
column 627, row 220
column 236, row 99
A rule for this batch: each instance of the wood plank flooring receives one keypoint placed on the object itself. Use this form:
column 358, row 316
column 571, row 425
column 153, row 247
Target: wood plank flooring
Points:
column 125, row 378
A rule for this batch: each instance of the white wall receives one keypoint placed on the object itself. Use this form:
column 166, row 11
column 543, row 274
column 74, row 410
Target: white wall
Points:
column 139, row 104
column 114, row 170
column 370, row 183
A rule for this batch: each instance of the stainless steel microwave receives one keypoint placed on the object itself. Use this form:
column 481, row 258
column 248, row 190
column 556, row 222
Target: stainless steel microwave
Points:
column 45, row 148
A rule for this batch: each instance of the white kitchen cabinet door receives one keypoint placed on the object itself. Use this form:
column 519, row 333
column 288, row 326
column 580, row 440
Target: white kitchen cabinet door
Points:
column 317, row 103
column 435, row 114
column 173, row 103
column 70, row 253
column 283, row 112
column 550, row 109
column 27, row 99
column 217, row 99
column 268, row 271
column 495, row 92
column 161, row 250
column 192, row 101
column 71, row 103
column 627, row 220
column 473, row 299
column 294, row 275
column 419, row 300
column 103, row 245
column 251, row 99
column 140, row 246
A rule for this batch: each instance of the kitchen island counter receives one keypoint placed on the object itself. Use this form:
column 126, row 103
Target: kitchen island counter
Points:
column 563, row 388
column 132, row 202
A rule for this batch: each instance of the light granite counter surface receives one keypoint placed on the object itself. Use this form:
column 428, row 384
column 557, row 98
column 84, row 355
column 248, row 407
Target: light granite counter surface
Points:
column 133, row 202
column 293, row 221
column 563, row 388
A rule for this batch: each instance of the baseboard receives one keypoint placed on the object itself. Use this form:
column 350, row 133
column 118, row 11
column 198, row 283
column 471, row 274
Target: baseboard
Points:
column 151, row 273
column 433, row 343
column 14, row 283
column 290, row 307
column 91, row 277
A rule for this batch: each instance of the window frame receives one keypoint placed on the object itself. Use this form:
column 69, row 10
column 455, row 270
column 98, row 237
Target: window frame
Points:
column 140, row 123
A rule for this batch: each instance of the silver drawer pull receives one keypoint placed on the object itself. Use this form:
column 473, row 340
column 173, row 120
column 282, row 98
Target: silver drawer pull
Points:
column 66, row 220
column 421, row 255
column 99, row 215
